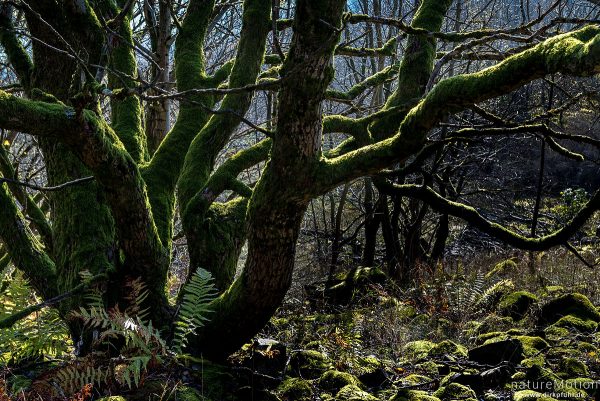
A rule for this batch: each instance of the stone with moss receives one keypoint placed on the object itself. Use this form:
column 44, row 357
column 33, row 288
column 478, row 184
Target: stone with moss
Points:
column 295, row 389
column 574, row 304
column 572, row 368
column 590, row 386
column 449, row 348
column 113, row 398
column 577, row 323
column 455, row 391
column 334, row 380
column 428, row 368
column 517, row 304
column 413, row 395
column 354, row 393
column 495, row 352
column 309, row 364
column 535, row 360
column 416, row 350
column 371, row 371
column 413, row 380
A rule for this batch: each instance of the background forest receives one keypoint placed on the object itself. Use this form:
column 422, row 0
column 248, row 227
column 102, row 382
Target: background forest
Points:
column 459, row 271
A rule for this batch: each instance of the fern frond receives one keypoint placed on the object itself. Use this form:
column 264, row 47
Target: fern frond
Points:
column 194, row 309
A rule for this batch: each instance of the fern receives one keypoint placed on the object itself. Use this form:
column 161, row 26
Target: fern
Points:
column 42, row 334
column 193, row 311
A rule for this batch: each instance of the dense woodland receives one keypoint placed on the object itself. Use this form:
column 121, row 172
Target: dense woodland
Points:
column 299, row 200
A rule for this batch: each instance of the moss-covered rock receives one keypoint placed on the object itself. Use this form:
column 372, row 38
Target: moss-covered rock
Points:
column 572, row 322
column 590, row 386
column 416, row 350
column 309, row 364
column 113, row 398
column 455, row 391
column 496, row 352
column 372, row 371
column 354, row 393
column 413, row 380
column 447, row 347
column 516, row 304
column 295, row 389
column 572, row 368
column 334, row 380
column 569, row 304
column 428, row 368
column 413, row 395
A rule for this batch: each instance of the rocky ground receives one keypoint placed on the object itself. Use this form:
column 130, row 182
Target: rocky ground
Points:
column 512, row 345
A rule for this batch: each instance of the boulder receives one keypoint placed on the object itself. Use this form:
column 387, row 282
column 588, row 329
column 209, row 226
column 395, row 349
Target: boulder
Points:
column 494, row 353
column 574, row 304
column 572, row 368
column 308, row 364
column 447, row 348
column 413, row 395
column 517, row 304
column 295, row 389
column 454, row 391
column 416, row 350
column 354, row 393
column 334, row 380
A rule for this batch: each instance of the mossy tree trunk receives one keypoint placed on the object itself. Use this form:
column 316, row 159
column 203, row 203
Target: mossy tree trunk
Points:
column 120, row 224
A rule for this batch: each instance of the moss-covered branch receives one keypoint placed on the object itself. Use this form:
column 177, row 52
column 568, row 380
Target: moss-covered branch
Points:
column 126, row 112
column 97, row 146
column 376, row 79
column 17, row 55
column 413, row 75
column 26, row 252
column 203, row 151
column 473, row 217
column 163, row 171
column 34, row 213
column 576, row 53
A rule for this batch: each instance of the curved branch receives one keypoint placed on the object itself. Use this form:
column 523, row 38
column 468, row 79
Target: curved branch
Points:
column 473, row 217
column 576, row 53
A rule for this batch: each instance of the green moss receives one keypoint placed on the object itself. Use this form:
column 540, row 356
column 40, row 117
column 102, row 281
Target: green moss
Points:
column 354, row 393
column 414, row 379
column 516, row 304
column 538, row 360
column 293, row 388
column 309, row 363
column 447, row 347
column 570, row 304
column 413, row 395
column 583, row 325
column 415, row 350
column 590, row 386
column 455, row 391
column 334, row 380
column 572, row 368
column 428, row 367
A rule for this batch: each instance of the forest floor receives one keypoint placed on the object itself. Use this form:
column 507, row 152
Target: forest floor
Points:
column 464, row 337
column 477, row 339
